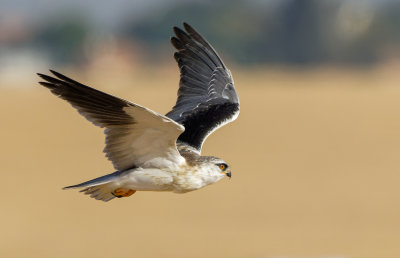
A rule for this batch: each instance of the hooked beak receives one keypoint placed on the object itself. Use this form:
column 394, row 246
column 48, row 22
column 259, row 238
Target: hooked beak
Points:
column 228, row 174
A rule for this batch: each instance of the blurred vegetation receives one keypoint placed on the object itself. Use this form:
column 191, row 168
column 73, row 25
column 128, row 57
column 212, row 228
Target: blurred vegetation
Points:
column 64, row 38
column 291, row 32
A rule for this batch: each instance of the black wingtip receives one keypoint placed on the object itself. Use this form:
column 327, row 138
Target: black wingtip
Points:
column 49, row 78
column 192, row 31
column 187, row 26
column 65, row 78
column 176, row 43
column 59, row 75
column 40, row 75
column 55, row 73
column 179, row 32
column 44, row 76
column 172, row 39
column 47, row 84
column 175, row 29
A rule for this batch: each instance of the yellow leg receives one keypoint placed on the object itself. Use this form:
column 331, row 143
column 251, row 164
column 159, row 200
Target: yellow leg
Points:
column 121, row 192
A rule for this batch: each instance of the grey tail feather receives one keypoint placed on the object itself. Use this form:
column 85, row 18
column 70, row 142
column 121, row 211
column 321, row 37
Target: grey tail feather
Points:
column 98, row 188
column 97, row 181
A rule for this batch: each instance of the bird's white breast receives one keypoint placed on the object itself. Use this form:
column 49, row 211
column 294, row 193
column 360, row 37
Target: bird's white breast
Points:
column 180, row 179
column 195, row 178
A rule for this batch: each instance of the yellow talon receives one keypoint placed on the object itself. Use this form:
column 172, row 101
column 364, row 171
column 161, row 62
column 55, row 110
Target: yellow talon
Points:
column 120, row 192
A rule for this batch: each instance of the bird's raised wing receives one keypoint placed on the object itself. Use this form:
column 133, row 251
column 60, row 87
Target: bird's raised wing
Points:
column 207, row 98
column 135, row 135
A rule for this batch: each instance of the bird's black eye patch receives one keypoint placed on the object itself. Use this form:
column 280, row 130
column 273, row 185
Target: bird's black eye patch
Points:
column 222, row 166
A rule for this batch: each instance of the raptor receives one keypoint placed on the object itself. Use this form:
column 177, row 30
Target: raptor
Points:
column 154, row 152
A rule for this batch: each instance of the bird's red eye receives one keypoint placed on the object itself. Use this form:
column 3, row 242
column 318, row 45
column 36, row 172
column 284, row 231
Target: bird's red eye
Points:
column 222, row 166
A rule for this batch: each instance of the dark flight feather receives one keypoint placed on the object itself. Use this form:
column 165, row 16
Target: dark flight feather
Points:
column 206, row 96
column 100, row 108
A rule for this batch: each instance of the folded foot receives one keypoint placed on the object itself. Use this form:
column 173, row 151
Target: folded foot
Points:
column 121, row 192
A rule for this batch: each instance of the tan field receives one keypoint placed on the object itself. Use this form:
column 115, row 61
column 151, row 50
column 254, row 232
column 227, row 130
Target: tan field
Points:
column 315, row 157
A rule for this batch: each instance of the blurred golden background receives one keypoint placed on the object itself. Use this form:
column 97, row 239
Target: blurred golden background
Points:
column 314, row 152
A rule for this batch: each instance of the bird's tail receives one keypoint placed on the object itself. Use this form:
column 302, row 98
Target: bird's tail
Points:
column 100, row 188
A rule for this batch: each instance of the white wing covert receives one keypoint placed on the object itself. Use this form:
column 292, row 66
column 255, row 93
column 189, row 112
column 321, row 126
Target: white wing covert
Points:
column 135, row 136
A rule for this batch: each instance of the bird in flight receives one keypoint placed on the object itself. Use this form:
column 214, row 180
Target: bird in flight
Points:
column 150, row 151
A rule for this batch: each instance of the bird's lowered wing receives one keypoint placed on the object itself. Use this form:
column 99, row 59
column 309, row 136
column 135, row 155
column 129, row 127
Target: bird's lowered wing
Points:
column 135, row 135
column 207, row 98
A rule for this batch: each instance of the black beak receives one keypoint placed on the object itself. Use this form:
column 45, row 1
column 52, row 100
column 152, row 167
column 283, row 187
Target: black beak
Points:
column 228, row 174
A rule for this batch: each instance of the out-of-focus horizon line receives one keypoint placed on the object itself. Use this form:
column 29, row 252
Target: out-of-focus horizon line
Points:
column 110, row 13
column 289, row 32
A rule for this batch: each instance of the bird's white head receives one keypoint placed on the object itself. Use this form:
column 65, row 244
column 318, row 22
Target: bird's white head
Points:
column 222, row 168
column 214, row 169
